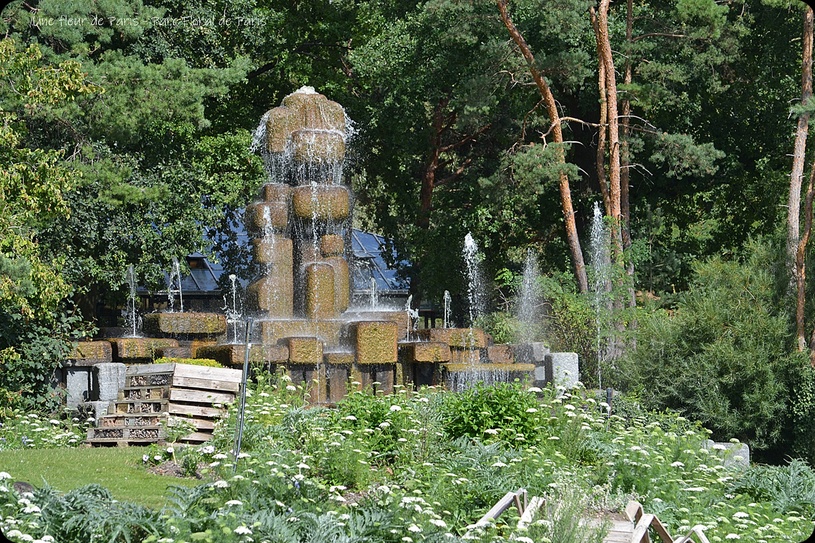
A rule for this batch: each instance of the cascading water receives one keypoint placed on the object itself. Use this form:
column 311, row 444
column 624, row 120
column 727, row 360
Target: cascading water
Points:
column 475, row 283
column 132, row 318
column 447, row 300
column 412, row 317
column 600, row 260
column 529, row 301
column 174, row 287
column 374, row 294
column 233, row 314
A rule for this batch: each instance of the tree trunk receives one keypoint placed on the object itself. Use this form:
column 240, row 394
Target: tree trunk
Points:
column 798, row 157
column 800, row 263
column 432, row 166
column 606, row 60
column 600, row 160
column 557, row 134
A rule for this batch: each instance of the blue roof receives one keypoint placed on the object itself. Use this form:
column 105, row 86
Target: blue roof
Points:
column 369, row 262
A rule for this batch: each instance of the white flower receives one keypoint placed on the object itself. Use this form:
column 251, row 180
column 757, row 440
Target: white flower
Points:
column 209, row 449
column 170, row 450
column 531, row 410
column 230, row 503
column 533, row 389
column 719, row 447
column 220, row 484
column 384, row 424
column 220, row 456
column 438, row 522
column 290, row 388
column 395, row 408
column 499, row 464
column 732, row 536
column 569, row 407
column 350, row 417
column 677, row 464
column 31, row 508
column 242, row 530
column 524, row 539
column 243, row 455
column 4, row 475
column 740, row 514
column 491, row 431
column 413, row 528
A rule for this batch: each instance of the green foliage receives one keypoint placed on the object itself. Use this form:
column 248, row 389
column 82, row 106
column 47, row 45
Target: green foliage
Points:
column 789, row 488
column 723, row 355
column 503, row 412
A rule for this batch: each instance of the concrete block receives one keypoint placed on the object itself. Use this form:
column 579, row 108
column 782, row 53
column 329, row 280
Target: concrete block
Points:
column 332, row 245
column 273, row 293
column 233, row 355
column 317, row 146
column 342, row 283
column 275, row 192
column 562, row 369
column 275, row 250
column 138, row 349
column 87, row 353
column 267, row 217
column 108, row 380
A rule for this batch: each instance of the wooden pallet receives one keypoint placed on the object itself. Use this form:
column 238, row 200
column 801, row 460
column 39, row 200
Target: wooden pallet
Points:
column 156, row 395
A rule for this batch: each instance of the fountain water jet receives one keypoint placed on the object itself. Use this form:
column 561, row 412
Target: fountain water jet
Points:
column 600, row 260
column 132, row 318
column 529, row 301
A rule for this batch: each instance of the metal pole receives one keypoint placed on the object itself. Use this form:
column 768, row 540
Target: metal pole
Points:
column 242, row 408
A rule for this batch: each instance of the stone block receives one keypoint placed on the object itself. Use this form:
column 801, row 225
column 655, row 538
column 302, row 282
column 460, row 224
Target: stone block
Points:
column 375, row 342
column 172, row 324
column 468, row 356
column 174, row 352
column 266, row 217
column 233, row 355
column 276, row 193
column 312, row 378
column 339, row 358
column 379, row 378
column 328, row 331
column 91, row 352
column 309, row 146
column 107, row 380
column 332, row 245
column 398, row 316
column 464, row 338
column 562, row 369
column 321, row 202
column 196, row 344
column 78, row 385
column 319, row 295
column 337, row 378
column 342, row 283
column 734, row 454
column 138, row 349
column 530, row 353
column 424, row 352
column 273, row 294
column 421, row 374
column 500, row 354
column 304, row 350
column 275, row 250
column 280, row 122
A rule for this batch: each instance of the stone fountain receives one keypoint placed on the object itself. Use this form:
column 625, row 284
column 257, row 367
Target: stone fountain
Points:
column 300, row 296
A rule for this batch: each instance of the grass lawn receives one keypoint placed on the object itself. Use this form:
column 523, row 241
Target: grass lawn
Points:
column 117, row 469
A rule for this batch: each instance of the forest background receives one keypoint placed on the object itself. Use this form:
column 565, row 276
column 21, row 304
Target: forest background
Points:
column 126, row 139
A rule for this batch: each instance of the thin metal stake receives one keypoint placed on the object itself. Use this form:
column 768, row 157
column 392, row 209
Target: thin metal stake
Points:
column 242, row 409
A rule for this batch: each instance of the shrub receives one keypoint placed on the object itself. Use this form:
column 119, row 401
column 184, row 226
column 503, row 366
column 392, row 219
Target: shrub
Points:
column 503, row 411
column 723, row 356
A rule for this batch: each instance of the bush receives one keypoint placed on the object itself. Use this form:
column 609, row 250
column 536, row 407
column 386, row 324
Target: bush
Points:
column 724, row 356
column 503, row 411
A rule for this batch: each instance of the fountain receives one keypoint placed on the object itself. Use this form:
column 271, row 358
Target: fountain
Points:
column 529, row 302
column 600, row 260
column 447, row 321
column 132, row 319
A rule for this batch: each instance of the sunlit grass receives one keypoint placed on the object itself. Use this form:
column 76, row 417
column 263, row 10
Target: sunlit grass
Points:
column 118, row 469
